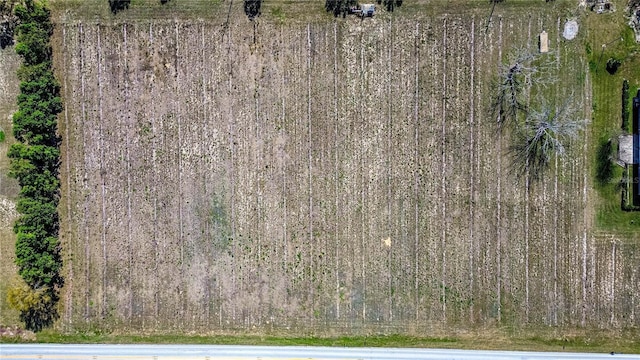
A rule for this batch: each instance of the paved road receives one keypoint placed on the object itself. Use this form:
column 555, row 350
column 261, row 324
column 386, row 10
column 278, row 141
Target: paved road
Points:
column 226, row 352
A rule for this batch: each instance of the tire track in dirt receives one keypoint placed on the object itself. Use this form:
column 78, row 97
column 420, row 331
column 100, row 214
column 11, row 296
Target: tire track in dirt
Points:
column 472, row 156
column 498, row 254
column 103, row 183
column 338, row 243
column 310, row 171
column 443, row 190
column 154, row 189
column 555, row 208
column 127, row 97
column 87, row 254
column 416, row 140
column 68, row 237
column 375, row 180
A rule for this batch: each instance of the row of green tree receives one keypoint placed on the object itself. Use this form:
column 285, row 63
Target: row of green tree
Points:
column 35, row 159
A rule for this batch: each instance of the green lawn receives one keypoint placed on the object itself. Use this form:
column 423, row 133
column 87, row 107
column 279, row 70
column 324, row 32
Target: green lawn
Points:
column 612, row 31
column 501, row 339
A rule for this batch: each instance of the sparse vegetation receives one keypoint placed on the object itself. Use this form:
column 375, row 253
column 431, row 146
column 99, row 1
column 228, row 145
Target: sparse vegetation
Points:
column 278, row 13
column 35, row 160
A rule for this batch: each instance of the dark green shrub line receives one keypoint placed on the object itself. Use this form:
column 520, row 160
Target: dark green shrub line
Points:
column 626, row 184
column 629, row 181
column 35, row 160
column 625, row 105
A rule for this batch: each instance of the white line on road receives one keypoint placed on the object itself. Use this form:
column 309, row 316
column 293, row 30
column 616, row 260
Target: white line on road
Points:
column 238, row 352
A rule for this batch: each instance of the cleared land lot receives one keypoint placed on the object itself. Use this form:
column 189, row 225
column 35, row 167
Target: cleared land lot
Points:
column 9, row 62
column 327, row 177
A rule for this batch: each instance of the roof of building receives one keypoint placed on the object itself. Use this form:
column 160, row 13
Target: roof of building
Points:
column 625, row 149
column 368, row 7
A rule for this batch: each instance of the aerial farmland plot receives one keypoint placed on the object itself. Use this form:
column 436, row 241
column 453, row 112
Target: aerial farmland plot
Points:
column 301, row 173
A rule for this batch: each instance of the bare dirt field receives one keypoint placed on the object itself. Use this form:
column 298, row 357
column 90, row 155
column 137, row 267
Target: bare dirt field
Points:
column 334, row 176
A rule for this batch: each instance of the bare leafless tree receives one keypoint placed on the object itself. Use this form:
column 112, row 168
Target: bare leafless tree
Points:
column 523, row 67
column 546, row 133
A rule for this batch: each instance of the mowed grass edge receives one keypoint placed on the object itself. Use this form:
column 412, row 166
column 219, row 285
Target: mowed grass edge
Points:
column 593, row 341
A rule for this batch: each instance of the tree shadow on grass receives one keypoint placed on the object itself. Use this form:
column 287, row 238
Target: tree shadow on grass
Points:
column 604, row 163
column 118, row 5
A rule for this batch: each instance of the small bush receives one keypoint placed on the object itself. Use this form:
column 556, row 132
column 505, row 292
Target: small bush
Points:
column 117, row 5
column 252, row 8
column 37, row 306
column 613, row 65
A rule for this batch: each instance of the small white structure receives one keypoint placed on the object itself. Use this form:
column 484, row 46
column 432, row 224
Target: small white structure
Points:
column 570, row 30
column 544, row 42
column 368, row 9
